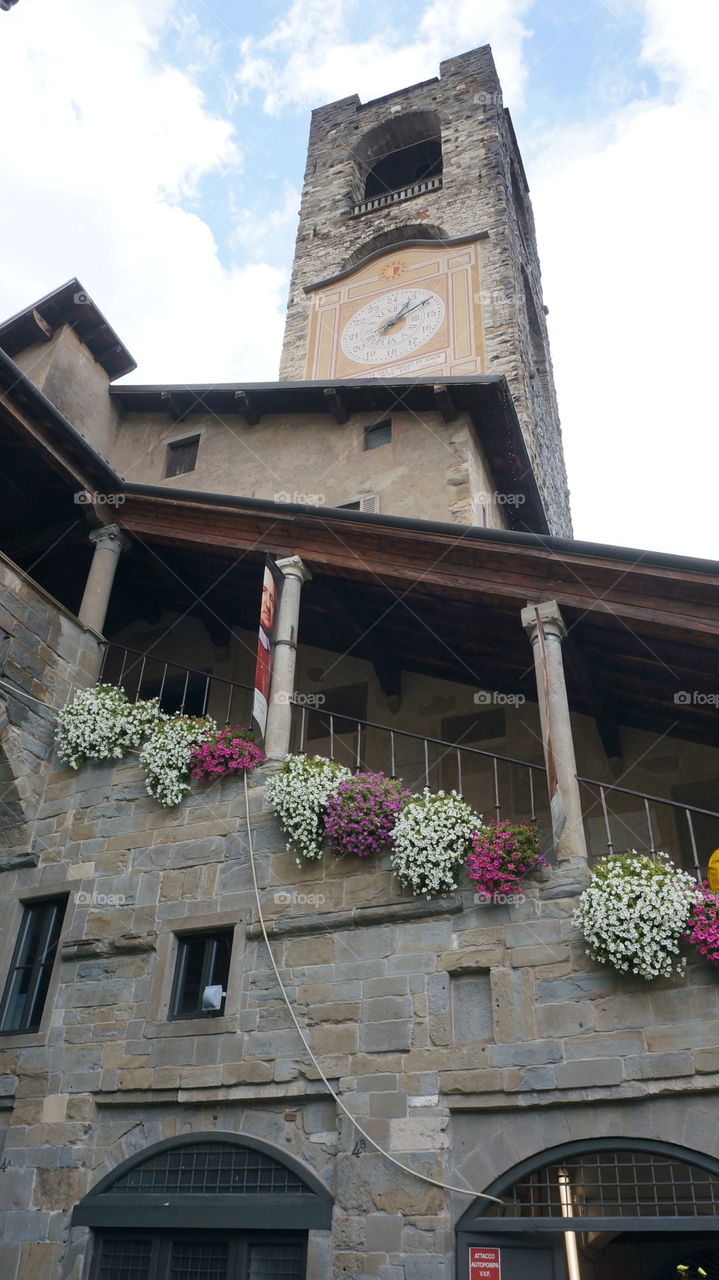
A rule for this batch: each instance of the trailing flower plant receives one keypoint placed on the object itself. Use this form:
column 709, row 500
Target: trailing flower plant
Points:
column 634, row 913
column 223, row 753
column 703, row 924
column 167, row 754
column 431, row 839
column 298, row 794
column 502, row 853
column 361, row 813
column 101, row 724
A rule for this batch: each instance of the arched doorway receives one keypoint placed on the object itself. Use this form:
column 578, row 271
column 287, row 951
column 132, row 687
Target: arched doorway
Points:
column 596, row 1210
column 211, row 1206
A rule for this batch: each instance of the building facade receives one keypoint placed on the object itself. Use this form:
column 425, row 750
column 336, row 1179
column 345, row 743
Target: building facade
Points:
column 392, row 1086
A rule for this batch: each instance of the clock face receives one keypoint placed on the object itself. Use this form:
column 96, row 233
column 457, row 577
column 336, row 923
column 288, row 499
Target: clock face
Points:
column 392, row 325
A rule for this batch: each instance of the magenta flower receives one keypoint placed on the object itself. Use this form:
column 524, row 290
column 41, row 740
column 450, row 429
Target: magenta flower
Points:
column 502, row 853
column 703, row 924
column 360, row 815
column 228, row 751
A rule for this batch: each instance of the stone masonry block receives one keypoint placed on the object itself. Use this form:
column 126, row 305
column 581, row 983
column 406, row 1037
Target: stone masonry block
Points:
column 383, row 1037
column 513, row 1005
column 655, row 1066
column 585, row 1075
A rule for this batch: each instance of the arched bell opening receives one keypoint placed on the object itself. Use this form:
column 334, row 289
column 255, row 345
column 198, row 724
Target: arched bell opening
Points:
column 399, row 153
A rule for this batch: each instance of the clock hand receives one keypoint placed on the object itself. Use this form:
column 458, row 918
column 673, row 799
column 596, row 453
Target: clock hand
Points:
column 404, row 312
column 418, row 304
column 394, row 319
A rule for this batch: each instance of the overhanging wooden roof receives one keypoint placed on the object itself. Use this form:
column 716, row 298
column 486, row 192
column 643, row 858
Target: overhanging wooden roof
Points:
column 71, row 305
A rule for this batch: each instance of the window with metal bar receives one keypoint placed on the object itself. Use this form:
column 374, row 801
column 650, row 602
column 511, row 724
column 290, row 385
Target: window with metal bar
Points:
column 379, row 434
column 181, row 456
column 203, row 960
column 210, row 1168
column 197, row 1256
column 617, row 1184
column 31, row 969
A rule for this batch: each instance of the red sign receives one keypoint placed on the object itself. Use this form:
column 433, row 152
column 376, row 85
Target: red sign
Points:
column 484, row 1264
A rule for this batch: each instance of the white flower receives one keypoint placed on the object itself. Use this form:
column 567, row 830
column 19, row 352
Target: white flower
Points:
column 634, row 913
column 166, row 756
column 100, row 724
column 298, row 793
column 430, row 840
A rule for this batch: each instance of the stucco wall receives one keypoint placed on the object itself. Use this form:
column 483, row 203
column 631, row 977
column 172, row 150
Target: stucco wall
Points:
column 431, row 469
column 67, row 373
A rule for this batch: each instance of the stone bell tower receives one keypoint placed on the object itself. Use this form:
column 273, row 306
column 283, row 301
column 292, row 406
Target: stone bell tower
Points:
column 416, row 254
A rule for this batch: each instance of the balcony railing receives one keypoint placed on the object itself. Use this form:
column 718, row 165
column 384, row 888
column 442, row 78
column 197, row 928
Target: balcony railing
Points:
column 395, row 197
column 497, row 786
column 617, row 819
column 188, row 690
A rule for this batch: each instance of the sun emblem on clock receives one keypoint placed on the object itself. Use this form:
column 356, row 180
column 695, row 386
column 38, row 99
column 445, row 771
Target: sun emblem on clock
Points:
column 393, row 270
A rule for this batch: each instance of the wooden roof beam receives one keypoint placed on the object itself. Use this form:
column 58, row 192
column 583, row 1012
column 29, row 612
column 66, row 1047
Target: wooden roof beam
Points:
column 336, row 405
column 247, row 405
column 444, row 402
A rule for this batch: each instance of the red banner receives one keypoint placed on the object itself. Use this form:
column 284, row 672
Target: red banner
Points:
column 484, row 1264
column 272, row 583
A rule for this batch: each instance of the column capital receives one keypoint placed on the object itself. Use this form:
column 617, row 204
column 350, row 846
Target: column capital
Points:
column 294, row 567
column 110, row 536
column 551, row 617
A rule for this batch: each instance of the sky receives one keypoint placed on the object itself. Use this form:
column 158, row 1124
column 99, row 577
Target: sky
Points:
column 155, row 149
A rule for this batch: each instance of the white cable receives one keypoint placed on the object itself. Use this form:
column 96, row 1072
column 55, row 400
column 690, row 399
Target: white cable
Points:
column 444, row 1186
column 14, row 689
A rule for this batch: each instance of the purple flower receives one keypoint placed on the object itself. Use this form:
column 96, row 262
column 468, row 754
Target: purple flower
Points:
column 361, row 813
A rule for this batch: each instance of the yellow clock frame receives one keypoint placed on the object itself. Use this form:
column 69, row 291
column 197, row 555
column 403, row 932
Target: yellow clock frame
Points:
column 377, row 310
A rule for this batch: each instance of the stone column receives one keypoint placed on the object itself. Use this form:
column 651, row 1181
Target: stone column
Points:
column 284, row 661
column 558, row 743
column 108, row 542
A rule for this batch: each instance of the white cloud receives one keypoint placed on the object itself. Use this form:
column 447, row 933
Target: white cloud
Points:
column 626, row 223
column 106, row 139
column 310, row 57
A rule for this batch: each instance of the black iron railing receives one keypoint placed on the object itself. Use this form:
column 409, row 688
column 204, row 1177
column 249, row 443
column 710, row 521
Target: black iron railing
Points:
column 500, row 785
column 185, row 689
column 649, row 824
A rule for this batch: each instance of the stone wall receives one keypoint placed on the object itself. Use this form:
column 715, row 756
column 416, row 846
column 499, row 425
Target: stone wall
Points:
column 44, row 654
column 462, row 1036
column 483, row 189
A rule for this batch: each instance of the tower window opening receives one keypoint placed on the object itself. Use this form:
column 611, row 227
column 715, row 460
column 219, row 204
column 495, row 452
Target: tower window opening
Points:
column 398, row 154
column 404, row 168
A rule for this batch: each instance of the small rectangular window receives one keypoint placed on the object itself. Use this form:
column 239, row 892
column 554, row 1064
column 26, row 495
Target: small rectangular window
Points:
column 181, row 456
column 379, row 434
column 31, row 968
column 203, row 960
